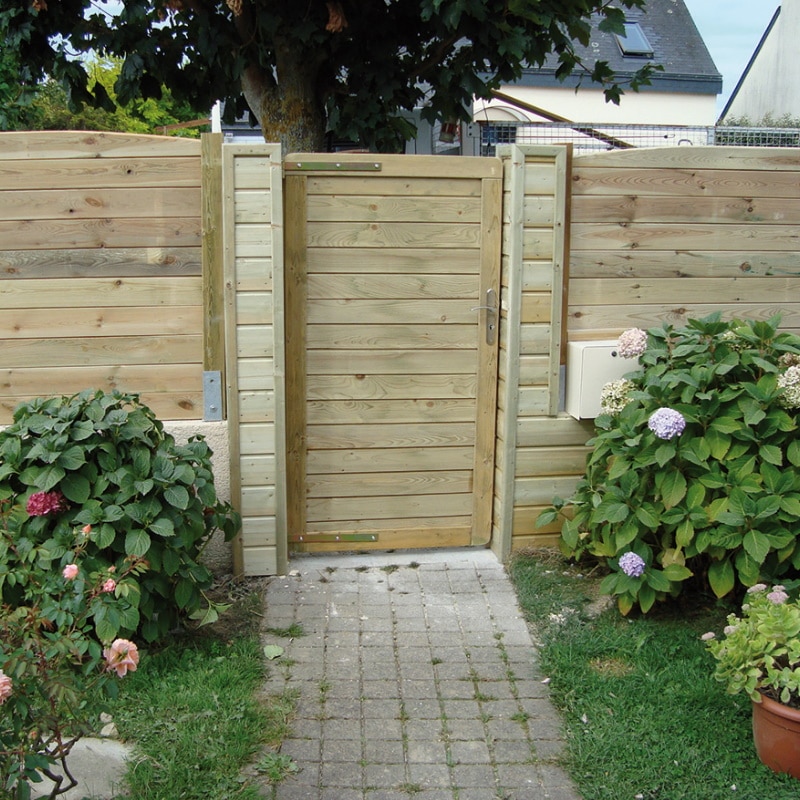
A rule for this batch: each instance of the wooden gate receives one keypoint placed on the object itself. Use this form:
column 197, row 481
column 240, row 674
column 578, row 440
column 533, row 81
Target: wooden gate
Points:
column 392, row 290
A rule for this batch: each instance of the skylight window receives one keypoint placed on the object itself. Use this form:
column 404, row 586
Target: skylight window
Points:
column 634, row 42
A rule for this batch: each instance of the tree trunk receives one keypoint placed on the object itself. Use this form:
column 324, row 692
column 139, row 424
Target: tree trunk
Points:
column 289, row 109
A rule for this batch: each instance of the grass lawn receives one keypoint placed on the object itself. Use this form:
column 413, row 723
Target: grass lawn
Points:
column 644, row 717
column 195, row 714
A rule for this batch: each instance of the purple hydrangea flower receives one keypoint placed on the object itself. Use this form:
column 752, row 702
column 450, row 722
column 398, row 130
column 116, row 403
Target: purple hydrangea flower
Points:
column 666, row 423
column 632, row 343
column 631, row 564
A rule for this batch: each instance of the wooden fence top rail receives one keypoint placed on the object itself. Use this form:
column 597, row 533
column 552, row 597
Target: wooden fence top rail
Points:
column 16, row 145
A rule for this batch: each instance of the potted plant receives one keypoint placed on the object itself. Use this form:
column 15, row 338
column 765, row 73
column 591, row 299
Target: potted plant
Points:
column 760, row 655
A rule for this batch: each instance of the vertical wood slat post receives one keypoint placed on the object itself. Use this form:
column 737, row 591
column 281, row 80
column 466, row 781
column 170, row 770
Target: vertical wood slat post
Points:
column 560, row 276
column 485, row 439
column 228, row 247
column 213, row 256
column 514, row 170
column 296, row 293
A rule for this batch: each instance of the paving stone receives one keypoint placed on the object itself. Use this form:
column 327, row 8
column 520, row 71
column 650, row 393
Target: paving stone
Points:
column 473, row 775
column 429, row 775
column 381, row 751
column 387, row 776
column 426, row 751
column 470, row 752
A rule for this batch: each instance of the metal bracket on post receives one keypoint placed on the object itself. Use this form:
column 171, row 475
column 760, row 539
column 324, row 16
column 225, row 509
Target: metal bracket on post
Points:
column 212, row 395
column 490, row 319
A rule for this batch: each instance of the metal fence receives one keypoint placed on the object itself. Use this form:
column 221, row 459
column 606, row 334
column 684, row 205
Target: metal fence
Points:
column 591, row 138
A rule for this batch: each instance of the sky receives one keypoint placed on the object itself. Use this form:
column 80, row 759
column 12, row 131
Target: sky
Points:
column 731, row 30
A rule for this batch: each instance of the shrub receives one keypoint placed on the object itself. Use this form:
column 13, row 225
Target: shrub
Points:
column 104, row 464
column 50, row 658
column 694, row 469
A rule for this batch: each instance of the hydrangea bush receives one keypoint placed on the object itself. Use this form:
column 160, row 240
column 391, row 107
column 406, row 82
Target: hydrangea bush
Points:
column 104, row 463
column 694, row 470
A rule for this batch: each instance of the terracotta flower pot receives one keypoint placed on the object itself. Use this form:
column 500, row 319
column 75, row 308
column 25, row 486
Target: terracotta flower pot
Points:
column 776, row 733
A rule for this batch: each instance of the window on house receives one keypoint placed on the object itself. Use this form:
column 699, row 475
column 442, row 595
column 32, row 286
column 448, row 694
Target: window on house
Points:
column 634, row 42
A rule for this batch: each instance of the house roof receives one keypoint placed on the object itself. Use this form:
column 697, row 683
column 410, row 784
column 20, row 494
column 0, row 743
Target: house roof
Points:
column 677, row 46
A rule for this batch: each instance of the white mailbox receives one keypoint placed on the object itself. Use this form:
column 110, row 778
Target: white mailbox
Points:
column 590, row 366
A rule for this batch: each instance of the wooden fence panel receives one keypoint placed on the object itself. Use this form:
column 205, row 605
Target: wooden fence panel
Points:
column 655, row 236
column 662, row 235
column 100, row 268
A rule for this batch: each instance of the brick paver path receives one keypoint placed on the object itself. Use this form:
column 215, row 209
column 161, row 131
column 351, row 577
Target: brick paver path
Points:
column 415, row 680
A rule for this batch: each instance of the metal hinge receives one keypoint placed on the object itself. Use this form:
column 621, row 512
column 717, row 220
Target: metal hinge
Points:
column 332, row 166
column 212, row 395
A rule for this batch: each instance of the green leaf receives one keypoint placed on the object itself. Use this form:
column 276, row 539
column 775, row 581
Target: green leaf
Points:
column 771, row 454
column 673, row 488
column 273, row 651
column 75, row 488
column 718, row 443
column 72, row 458
column 665, row 453
column 721, row 577
column 757, row 546
column 546, row 517
column 684, row 534
column 177, row 497
column 646, row 597
column 677, row 572
column 163, row 527
column 103, row 535
column 658, row 580
column 647, row 516
column 184, row 591
column 791, row 505
column 137, row 542
column 793, row 453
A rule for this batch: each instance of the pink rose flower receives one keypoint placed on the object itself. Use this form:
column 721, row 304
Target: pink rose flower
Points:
column 70, row 572
column 6, row 685
column 86, row 529
column 121, row 657
column 42, row 503
column 109, row 585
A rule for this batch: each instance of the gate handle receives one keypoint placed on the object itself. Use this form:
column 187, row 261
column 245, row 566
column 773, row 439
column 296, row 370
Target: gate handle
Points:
column 490, row 317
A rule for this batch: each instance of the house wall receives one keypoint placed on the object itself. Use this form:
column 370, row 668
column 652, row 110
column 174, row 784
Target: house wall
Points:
column 769, row 85
column 589, row 105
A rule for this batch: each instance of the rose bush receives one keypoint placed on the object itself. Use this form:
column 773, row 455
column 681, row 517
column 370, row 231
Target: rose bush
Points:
column 51, row 657
column 695, row 463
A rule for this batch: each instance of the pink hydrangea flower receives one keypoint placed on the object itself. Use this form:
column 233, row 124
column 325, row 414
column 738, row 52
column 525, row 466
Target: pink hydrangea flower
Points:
column 70, row 572
column 778, row 595
column 109, row 585
column 6, row 687
column 42, row 503
column 632, row 343
column 122, row 656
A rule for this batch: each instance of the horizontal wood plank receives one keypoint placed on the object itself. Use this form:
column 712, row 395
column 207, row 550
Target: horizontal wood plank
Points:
column 82, row 293
column 393, row 234
column 739, row 158
column 105, row 351
column 403, row 386
column 368, row 435
column 392, row 208
column 390, row 362
column 100, row 203
column 133, row 262
column 92, row 144
column 99, row 233
column 419, row 312
column 36, row 323
column 393, row 459
column 349, row 412
column 100, row 173
column 375, row 484
column 386, row 337
column 395, row 287
column 399, row 261
column 328, row 509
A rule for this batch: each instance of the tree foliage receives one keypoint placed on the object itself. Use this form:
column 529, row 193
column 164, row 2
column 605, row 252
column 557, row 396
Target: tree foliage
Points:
column 48, row 108
column 346, row 66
